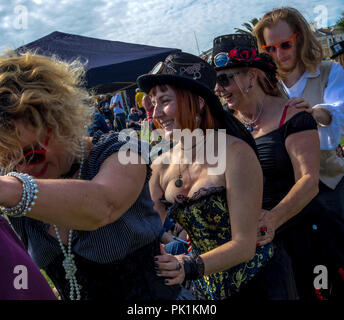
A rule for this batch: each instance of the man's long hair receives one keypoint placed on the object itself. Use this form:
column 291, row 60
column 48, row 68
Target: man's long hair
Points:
column 310, row 51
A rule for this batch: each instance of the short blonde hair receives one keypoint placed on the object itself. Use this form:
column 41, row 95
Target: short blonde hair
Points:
column 45, row 93
column 311, row 53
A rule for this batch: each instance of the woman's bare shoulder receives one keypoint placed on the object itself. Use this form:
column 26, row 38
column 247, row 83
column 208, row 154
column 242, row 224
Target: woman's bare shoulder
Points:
column 234, row 144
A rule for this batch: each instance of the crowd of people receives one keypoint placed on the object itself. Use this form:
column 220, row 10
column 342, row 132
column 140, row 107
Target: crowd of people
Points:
column 178, row 225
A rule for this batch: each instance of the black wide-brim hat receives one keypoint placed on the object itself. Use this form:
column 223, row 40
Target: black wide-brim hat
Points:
column 242, row 51
column 189, row 72
column 183, row 70
column 337, row 49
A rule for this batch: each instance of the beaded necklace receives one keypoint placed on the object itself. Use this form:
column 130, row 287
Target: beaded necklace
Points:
column 68, row 263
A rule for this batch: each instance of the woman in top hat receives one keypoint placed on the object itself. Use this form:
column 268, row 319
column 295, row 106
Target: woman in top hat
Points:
column 288, row 148
column 219, row 210
column 86, row 218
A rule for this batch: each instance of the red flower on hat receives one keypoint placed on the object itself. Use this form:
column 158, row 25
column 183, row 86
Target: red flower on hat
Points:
column 244, row 54
column 233, row 53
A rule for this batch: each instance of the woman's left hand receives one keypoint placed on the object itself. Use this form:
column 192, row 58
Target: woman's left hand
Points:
column 266, row 228
column 170, row 267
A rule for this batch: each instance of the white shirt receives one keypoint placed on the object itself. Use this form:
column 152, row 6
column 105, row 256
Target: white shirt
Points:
column 333, row 102
column 119, row 108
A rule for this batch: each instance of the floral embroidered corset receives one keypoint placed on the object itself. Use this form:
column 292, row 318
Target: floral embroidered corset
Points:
column 205, row 218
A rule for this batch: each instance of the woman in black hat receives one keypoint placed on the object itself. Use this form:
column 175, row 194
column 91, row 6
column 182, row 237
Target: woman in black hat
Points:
column 219, row 210
column 288, row 148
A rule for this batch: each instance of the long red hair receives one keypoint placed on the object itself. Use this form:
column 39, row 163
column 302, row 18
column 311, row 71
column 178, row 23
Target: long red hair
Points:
column 189, row 108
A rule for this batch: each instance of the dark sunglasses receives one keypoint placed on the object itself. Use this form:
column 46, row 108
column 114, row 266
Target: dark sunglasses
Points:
column 284, row 45
column 224, row 79
column 36, row 156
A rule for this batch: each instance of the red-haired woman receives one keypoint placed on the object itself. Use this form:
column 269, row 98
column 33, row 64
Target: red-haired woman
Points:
column 216, row 202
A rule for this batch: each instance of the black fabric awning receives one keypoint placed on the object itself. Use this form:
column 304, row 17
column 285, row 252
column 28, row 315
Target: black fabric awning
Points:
column 110, row 65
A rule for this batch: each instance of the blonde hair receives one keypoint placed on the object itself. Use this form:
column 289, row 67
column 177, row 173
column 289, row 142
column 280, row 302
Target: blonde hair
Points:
column 309, row 49
column 268, row 86
column 45, row 93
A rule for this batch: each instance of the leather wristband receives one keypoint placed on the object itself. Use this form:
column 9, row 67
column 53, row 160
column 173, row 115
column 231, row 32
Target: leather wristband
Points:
column 193, row 268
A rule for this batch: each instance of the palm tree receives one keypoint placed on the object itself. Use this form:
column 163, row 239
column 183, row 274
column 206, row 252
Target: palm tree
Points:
column 249, row 27
column 340, row 23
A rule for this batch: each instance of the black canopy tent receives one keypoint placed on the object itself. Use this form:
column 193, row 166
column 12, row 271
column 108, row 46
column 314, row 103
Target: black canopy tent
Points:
column 110, row 65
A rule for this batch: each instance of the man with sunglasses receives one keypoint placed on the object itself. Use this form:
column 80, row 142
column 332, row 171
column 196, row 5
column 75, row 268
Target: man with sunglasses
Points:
column 317, row 86
column 285, row 34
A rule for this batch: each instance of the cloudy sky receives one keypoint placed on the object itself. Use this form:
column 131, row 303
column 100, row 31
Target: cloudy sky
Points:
column 165, row 23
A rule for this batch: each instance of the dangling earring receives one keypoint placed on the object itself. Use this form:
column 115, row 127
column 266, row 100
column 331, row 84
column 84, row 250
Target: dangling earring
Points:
column 248, row 88
column 197, row 118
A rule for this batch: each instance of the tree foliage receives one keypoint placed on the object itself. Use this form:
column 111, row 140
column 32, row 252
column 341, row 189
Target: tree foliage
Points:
column 340, row 22
column 249, row 27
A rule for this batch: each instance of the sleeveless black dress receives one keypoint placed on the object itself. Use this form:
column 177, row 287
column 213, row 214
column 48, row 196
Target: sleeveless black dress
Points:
column 310, row 238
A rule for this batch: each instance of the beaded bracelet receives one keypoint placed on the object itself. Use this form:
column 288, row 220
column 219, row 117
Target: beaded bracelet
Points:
column 28, row 198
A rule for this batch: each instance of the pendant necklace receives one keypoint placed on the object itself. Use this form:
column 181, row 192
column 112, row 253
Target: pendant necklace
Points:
column 250, row 124
column 179, row 182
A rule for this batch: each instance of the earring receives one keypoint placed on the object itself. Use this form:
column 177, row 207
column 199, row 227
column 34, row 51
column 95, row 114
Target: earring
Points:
column 248, row 88
column 197, row 118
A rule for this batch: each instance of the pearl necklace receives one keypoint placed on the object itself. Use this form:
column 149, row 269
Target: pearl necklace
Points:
column 250, row 124
column 68, row 263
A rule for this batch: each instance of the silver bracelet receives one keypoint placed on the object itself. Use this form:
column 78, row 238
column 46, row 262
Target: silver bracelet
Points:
column 28, row 198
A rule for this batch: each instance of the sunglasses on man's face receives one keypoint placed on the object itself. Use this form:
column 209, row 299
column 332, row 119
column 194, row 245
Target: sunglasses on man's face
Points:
column 284, row 45
column 36, row 156
column 224, row 79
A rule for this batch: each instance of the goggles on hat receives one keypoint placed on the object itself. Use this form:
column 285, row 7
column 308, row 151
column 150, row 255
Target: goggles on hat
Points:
column 158, row 68
column 284, row 45
column 221, row 59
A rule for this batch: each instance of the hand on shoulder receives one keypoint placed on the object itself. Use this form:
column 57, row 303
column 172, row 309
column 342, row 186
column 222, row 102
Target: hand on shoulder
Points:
column 298, row 105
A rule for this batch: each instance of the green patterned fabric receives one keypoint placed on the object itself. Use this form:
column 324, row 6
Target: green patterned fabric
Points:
column 206, row 219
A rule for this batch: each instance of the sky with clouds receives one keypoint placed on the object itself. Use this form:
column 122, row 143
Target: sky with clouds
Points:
column 164, row 23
